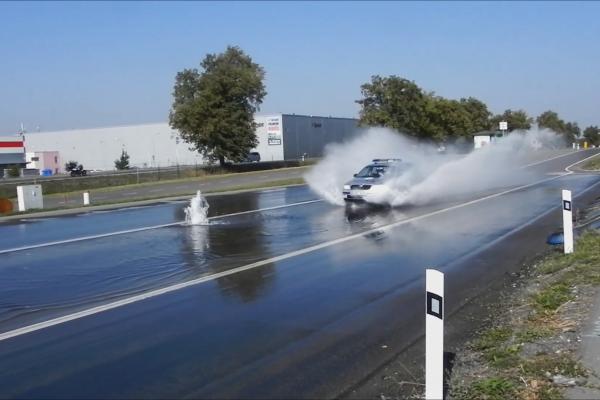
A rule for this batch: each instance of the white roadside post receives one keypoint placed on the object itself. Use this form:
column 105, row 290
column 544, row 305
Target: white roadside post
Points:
column 86, row 198
column 567, row 221
column 434, row 334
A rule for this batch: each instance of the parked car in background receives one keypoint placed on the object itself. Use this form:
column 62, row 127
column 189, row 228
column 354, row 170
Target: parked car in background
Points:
column 79, row 171
column 252, row 157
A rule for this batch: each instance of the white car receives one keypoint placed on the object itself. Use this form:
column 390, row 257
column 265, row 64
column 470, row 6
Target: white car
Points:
column 369, row 185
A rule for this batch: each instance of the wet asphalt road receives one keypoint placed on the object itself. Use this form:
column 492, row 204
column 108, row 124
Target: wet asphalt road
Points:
column 320, row 311
column 173, row 188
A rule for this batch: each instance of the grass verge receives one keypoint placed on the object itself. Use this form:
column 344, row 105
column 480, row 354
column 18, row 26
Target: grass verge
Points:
column 258, row 185
column 593, row 164
column 521, row 355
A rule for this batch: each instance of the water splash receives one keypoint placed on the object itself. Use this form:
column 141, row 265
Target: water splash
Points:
column 197, row 212
column 433, row 175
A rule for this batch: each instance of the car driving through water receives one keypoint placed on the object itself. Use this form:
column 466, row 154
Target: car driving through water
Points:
column 370, row 184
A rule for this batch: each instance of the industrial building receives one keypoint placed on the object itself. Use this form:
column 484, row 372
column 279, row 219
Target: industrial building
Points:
column 280, row 137
column 12, row 153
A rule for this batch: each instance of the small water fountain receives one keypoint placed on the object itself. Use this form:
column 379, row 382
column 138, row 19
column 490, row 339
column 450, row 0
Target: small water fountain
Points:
column 197, row 212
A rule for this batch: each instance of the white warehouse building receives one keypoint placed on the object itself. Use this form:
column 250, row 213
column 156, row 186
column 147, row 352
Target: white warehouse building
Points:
column 280, row 137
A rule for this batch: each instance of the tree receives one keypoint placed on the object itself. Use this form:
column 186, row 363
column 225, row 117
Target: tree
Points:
column 516, row 120
column 479, row 115
column 123, row 161
column 572, row 130
column 447, row 119
column 400, row 104
column 213, row 109
column 550, row 120
column 13, row 171
column 592, row 134
column 393, row 102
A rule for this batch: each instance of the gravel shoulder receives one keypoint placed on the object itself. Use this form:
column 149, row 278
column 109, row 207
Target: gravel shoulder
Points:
column 544, row 343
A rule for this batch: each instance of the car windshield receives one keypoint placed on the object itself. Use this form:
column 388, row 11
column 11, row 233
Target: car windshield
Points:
column 372, row 171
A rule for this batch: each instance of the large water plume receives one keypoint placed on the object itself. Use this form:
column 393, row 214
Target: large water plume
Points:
column 433, row 175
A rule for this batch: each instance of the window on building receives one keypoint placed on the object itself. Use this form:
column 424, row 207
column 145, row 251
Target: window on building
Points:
column 35, row 159
column 55, row 159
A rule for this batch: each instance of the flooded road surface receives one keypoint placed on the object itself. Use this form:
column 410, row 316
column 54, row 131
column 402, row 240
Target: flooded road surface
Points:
column 281, row 295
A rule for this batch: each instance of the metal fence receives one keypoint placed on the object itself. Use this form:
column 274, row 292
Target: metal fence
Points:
column 64, row 184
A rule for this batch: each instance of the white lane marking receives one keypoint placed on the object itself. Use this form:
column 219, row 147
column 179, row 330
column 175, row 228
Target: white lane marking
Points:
column 568, row 169
column 548, row 159
column 147, row 228
column 83, row 238
column 266, row 209
column 168, row 289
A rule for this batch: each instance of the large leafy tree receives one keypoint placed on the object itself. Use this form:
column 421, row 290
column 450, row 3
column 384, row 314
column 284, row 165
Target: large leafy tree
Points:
column 213, row 108
column 393, row 102
column 551, row 120
column 400, row 104
column 479, row 115
column 592, row 134
column 448, row 119
column 517, row 120
column 572, row 130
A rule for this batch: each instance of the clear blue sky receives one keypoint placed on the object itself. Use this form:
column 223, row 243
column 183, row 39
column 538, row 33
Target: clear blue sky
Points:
column 76, row 65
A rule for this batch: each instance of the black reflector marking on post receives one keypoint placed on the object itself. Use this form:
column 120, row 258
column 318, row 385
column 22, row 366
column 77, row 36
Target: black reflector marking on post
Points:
column 434, row 305
column 566, row 205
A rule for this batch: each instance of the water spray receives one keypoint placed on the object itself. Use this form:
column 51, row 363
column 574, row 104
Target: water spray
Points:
column 433, row 175
column 197, row 212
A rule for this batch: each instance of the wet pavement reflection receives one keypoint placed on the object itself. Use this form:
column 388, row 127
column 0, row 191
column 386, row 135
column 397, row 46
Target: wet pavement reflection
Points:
column 250, row 333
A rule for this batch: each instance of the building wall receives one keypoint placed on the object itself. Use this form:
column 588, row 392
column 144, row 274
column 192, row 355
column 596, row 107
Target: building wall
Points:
column 12, row 151
column 280, row 136
column 45, row 160
column 269, row 133
column 309, row 134
column 148, row 145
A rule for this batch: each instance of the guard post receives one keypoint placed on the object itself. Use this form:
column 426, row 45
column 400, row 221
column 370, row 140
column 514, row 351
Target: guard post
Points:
column 567, row 207
column 434, row 334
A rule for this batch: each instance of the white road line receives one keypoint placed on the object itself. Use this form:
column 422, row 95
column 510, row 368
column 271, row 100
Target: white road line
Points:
column 266, row 209
column 83, row 238
column 568, row 169
column 548, row 159
column 95, row 310
column 147, row 228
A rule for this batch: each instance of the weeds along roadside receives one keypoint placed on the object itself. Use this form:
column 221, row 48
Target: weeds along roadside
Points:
column 529, row 351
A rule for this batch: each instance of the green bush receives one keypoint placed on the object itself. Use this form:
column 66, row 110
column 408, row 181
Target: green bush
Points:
column 14, row 171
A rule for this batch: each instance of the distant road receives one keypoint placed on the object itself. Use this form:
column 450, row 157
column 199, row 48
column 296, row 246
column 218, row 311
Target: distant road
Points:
column 174, row 188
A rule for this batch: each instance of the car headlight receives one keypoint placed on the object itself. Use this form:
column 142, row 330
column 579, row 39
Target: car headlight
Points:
column 346, row 187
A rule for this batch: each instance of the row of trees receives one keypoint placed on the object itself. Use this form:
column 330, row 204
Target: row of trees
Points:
column 213, row 109
column 400, row 104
